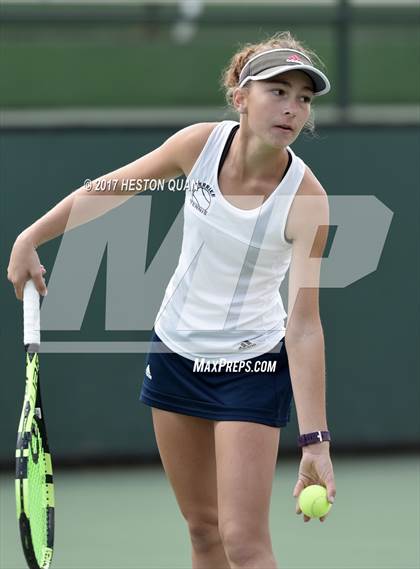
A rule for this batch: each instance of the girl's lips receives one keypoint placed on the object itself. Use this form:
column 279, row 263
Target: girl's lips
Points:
column 285, row 128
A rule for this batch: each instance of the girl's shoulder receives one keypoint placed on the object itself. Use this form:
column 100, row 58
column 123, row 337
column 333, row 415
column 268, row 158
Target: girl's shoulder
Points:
column 305, row 211
column 193, row 139
column 310, row 185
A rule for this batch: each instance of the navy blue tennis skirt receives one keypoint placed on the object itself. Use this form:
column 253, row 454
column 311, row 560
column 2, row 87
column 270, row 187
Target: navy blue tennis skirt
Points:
column 259, row 391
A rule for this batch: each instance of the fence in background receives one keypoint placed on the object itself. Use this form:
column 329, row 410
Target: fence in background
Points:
column 161, row 55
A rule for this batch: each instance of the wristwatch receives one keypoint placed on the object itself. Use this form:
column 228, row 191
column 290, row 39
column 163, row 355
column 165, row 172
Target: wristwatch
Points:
column 313, row 438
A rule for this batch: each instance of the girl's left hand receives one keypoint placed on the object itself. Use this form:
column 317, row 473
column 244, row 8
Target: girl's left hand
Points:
column 315, row 468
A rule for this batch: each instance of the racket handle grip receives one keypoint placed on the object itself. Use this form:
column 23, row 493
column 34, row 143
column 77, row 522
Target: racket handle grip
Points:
column 31, row 318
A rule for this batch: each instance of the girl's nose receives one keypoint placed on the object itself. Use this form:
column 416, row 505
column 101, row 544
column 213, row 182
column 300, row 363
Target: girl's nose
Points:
column 289, row 111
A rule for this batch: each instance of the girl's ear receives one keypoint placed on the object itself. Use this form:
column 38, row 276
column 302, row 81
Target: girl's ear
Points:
column 240, row 99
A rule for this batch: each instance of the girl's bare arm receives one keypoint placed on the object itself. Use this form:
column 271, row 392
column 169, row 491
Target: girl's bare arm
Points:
column 173, row 158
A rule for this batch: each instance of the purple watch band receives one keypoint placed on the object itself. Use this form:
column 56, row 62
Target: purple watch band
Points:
column 313, row 438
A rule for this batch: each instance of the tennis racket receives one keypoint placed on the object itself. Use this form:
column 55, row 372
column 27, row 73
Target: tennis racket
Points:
column 34, row 480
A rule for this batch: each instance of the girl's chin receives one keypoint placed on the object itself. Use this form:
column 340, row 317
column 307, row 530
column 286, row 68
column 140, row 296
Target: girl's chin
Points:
column 282, row 139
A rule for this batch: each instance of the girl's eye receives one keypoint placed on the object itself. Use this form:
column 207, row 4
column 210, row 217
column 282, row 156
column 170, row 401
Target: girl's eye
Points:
column 281, row 92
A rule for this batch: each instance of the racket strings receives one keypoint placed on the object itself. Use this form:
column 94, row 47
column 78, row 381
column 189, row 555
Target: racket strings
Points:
column 38, row 495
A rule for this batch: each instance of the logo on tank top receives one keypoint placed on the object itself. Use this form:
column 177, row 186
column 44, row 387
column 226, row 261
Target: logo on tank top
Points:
column 200, row 196
column 148, row 372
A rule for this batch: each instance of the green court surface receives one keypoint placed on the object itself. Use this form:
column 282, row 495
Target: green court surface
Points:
column 129, row 519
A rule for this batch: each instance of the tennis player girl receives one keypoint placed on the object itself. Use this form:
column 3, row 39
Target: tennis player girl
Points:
column 253, row 211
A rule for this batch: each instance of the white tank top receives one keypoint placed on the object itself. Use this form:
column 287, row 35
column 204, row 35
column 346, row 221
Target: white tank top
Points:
column 223, row 300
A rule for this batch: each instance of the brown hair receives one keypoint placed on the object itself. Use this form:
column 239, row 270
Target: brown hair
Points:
column 230, row 75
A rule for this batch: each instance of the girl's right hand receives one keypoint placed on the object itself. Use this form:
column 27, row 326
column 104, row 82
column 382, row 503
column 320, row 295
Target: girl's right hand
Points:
column 24, row 264
column 315, row 468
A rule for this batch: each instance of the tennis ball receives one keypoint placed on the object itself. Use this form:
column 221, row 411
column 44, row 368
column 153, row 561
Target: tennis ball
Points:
column 313, row 501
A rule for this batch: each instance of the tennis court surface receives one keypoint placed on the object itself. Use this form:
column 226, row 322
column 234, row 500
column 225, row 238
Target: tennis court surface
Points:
column 129, row 519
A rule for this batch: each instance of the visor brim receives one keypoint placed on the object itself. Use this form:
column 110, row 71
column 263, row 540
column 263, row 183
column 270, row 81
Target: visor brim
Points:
column 321, row 82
